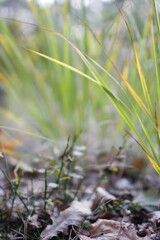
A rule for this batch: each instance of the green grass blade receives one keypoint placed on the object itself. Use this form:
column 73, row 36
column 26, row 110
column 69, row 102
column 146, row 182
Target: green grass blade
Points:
column 157, row 18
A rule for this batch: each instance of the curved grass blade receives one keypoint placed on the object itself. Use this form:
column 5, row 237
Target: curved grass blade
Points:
column 118, row 104
column 134, row 94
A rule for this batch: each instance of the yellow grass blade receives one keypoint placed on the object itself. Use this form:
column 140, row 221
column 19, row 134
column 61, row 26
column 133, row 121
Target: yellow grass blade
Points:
column 132, row 91
column 143, row 82
column 154, row 164
column 63, row 64
column 141, row 75
column 134, row 94
column 152, row 161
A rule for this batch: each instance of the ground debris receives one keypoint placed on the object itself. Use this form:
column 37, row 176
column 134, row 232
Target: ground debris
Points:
column 84, row 204
column 74, row 215
column 113, row 230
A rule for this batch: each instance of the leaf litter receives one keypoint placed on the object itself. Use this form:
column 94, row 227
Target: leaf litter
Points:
column 74, row 215
column 114, row 201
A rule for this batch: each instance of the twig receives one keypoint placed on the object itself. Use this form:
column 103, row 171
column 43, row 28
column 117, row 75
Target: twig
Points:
column 45, row 191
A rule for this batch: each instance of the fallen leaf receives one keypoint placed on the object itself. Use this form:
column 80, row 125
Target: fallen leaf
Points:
column 102, row 193
column 74, row 215
column 111, row 230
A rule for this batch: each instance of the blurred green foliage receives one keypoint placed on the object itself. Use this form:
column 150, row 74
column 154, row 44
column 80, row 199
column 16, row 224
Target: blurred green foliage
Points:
column 123, row 60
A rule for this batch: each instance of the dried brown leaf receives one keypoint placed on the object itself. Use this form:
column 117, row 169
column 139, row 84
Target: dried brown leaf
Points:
column 74, row 215
column 111, row 230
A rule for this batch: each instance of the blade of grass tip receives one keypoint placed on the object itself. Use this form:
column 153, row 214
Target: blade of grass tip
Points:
column 157, row 18
column 152, row 161
column 143, row 82
column 63, row 64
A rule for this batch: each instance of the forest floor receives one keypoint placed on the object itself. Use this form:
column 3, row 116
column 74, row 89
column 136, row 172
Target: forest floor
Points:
column 104, row 198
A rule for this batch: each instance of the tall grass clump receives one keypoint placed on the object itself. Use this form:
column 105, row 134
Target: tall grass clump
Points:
column 54, row 100
column 130, row 81
column 138, row 100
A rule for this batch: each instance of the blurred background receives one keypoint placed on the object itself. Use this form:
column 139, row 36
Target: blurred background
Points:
column 45, row 99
